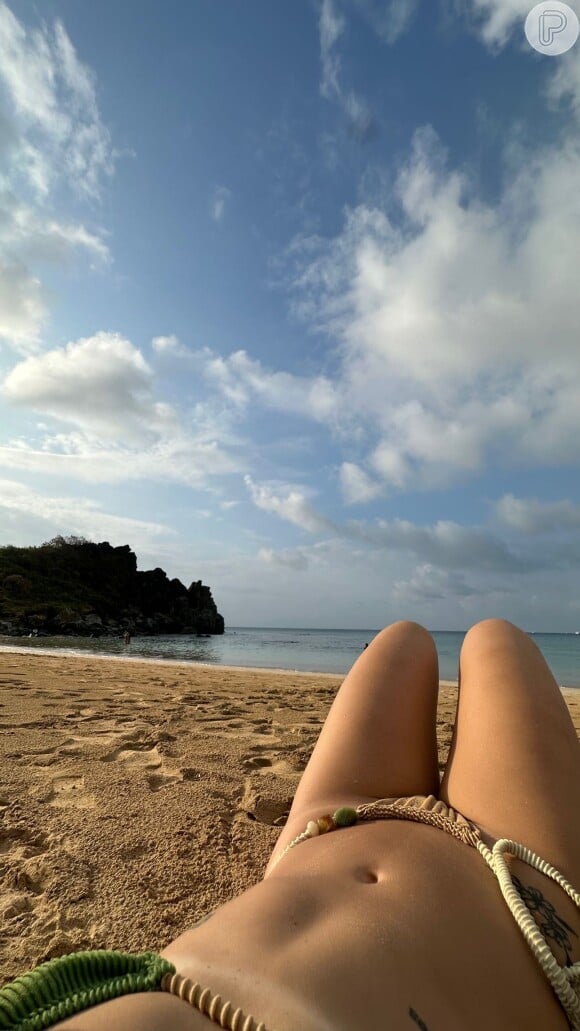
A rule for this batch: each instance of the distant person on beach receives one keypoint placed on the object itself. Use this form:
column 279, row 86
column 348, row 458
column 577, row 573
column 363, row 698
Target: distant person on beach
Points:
column 393, row 898
column 127, row 637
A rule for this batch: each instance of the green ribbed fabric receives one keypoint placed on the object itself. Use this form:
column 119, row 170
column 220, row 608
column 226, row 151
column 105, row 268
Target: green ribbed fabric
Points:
column 69, row 984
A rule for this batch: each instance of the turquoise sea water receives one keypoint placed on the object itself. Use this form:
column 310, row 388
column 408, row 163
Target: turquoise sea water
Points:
column 317, row 651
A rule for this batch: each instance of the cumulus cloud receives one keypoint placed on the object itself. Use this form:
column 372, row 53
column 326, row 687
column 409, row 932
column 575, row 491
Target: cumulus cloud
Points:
column 103, row 387
column 221, row 197
column 443, row 316
column 242, row 379
column 357, row 486
column 289, row 504
column 101, row 381
column 168, row 345
column 530, row 516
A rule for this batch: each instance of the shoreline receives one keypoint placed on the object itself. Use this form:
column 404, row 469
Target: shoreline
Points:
column 190, row 664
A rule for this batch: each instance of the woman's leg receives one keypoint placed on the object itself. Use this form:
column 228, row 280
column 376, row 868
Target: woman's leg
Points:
column 514, row 762
column 379, row 739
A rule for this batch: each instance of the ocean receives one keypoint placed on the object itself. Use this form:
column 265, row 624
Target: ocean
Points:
column 316, row 651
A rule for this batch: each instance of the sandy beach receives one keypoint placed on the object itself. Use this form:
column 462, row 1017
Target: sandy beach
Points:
column 137, row 796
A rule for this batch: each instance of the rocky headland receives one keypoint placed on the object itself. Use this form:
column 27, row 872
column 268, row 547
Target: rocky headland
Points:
column 70, row 586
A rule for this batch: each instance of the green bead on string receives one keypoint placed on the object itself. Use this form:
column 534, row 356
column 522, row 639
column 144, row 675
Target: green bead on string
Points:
column 345, row 816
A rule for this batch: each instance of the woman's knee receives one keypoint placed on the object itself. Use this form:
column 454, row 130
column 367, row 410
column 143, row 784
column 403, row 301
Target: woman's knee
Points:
column 491, row 631
column 408, row 634
column 404, row 628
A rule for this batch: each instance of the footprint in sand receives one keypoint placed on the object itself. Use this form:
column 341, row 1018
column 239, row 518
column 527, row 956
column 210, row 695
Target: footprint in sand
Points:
column 146, row 756
column 70, row 791
column 156, row 781
column 253, row 806
column 261, row 760
column 35, row 893
column 21, row 842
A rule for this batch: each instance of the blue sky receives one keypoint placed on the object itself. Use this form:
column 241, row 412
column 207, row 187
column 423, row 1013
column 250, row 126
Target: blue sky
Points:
column 289, row 302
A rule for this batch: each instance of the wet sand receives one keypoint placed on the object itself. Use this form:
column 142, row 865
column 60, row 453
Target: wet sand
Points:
column 137, row 796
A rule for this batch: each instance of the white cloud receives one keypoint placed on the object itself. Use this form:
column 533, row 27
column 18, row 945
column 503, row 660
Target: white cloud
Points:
column 331, row 27
column 101, row 382
column 445, row 545
column 29, row 236
column 242, row 379
column 286, row 558
column 184, row 458
column 23, row 305
column 496, row 19
column 103, row 387
column 168, row 345
column 53, row 102
column 229, row 504
column 530, row 516
column 449, row 545
column 33, row 235
column 52, row 137
column 357, row 486
column 81, row 516
column 430, row 584
column 290, row 504
column 221, row 197
column 496, row 22
column 564, row 85
column 443, row 319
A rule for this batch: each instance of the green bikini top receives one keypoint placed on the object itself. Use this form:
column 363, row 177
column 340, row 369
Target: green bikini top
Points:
column 68, row 984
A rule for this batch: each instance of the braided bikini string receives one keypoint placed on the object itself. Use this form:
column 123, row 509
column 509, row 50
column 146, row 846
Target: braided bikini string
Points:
column 210, row 1004
column 564, row 980
column 379, row 810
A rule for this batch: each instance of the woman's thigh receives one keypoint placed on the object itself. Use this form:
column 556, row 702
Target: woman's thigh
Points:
column 514, row 762
column 379, row 738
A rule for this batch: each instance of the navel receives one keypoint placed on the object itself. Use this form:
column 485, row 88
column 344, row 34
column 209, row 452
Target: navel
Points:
column 365, row 876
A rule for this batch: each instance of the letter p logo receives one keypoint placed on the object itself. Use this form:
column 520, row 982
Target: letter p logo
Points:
column 551, row 23
column 552, row 27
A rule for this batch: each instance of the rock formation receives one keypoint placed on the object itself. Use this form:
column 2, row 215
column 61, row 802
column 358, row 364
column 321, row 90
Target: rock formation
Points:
column 75, row 587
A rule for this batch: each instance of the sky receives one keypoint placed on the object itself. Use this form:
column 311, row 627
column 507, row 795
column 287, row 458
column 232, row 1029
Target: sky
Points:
column 289, row 303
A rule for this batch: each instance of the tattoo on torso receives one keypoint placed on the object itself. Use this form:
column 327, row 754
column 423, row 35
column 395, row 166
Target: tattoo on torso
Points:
column 415, row 1016
column 549, row 923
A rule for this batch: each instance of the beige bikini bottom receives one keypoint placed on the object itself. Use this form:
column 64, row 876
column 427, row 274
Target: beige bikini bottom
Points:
column 565, row 981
